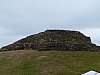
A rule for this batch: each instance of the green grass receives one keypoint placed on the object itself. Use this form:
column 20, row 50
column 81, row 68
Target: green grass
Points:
column 30, row 62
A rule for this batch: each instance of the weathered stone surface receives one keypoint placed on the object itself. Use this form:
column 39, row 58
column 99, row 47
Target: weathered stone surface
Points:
column 55, row 40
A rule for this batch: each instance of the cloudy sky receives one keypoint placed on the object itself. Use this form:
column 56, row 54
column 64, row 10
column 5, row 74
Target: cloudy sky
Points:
column 19, row 18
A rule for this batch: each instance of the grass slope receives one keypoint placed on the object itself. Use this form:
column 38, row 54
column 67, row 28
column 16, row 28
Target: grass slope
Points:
column 28, row 62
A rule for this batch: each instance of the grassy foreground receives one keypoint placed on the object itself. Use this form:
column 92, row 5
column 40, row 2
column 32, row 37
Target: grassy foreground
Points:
column 30, row 62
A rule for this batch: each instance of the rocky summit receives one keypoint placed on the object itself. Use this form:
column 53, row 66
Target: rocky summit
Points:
column 60, row 40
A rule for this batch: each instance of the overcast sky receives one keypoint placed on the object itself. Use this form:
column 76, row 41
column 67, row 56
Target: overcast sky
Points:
column 19, row 18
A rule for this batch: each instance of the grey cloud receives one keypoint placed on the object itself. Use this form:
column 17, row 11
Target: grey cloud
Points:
column 23, row 17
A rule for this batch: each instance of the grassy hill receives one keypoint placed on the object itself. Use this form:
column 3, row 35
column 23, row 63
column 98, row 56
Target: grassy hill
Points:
column 29, row 62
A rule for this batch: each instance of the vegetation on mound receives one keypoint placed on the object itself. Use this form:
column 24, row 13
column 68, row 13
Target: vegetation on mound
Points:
column 30, row 62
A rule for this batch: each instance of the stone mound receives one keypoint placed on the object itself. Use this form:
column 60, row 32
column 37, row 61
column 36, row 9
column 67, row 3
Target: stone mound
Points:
column 61, row 40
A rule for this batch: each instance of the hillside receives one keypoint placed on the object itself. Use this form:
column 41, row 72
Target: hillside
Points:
column 65, row 40
column 29, row 62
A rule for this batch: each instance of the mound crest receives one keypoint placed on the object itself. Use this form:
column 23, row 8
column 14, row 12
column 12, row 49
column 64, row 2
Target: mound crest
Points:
column 62, row 40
